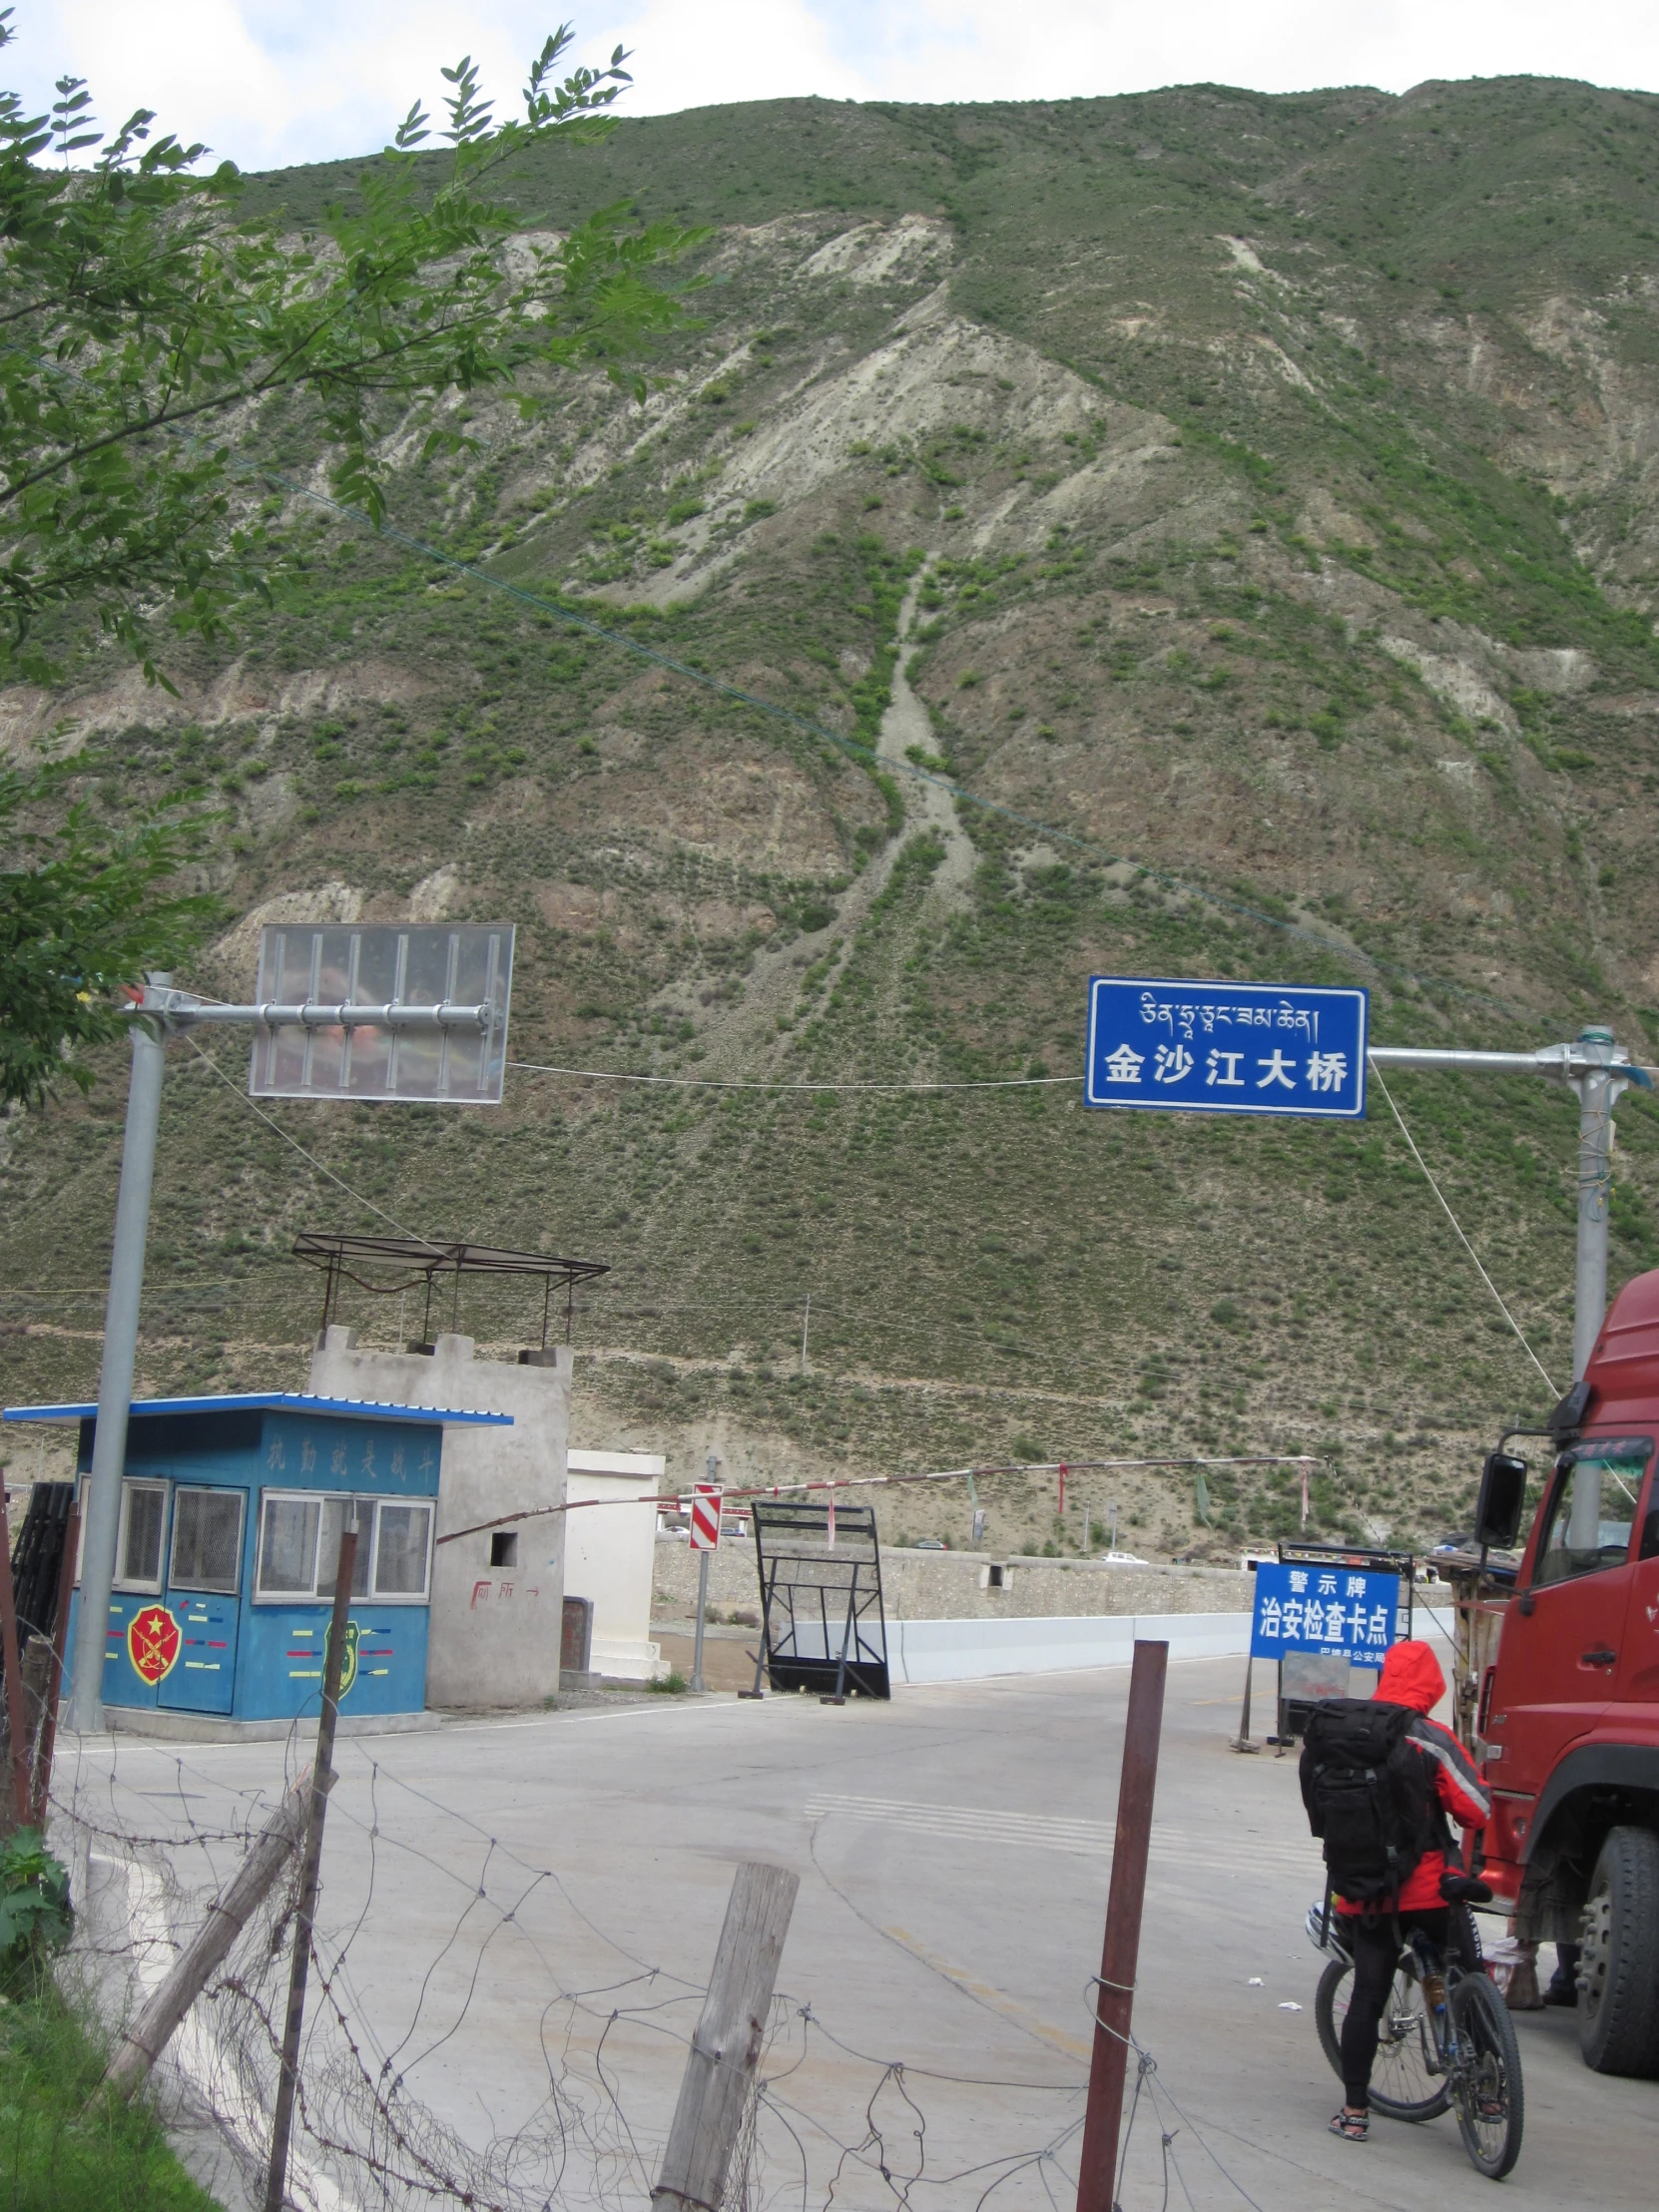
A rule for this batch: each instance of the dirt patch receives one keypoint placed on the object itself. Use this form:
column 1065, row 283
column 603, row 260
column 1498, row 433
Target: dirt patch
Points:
column 756, row 809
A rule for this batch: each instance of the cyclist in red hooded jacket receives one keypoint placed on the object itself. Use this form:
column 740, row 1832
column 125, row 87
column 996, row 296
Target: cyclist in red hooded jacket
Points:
column 1410, row 1677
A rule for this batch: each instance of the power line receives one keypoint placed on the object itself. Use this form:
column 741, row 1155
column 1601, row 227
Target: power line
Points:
column 721, row 1083
column 309, row 1158
column 1377, row 1077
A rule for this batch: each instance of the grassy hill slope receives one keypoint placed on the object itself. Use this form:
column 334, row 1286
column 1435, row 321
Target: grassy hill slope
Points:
column 1250, row 503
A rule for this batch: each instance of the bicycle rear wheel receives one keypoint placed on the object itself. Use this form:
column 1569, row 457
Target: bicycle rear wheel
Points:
column 1486, row 2089
column 1402, row 2085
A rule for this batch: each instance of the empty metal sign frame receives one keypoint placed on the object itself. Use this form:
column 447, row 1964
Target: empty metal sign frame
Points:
column 823, row 1625
column 325, row 996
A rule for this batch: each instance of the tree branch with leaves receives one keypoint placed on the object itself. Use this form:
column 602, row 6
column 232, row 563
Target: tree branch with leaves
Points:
column 144, row 323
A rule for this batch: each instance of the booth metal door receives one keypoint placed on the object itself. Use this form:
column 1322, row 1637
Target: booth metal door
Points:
column 204, row 1595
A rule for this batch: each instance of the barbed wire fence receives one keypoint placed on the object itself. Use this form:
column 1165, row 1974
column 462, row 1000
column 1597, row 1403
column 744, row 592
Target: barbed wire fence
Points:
column 414, row 2087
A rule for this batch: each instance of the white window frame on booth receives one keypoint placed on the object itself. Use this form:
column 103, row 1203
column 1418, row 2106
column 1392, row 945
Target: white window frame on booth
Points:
column 325, row 1540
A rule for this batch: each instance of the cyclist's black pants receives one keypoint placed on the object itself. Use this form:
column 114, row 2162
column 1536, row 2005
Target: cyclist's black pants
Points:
column 1376, row 1948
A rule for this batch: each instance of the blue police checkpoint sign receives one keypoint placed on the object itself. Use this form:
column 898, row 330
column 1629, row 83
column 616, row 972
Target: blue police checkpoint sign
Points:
column 1226, row 1048
column 1334, row 1612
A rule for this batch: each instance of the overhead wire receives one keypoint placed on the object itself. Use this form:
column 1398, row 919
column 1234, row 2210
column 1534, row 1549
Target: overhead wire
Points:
column 723, row 1083
column 1445, row 1208
column 309, row 1158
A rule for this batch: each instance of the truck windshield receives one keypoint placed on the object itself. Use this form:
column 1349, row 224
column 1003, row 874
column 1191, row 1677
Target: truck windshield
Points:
column 1593, row 1507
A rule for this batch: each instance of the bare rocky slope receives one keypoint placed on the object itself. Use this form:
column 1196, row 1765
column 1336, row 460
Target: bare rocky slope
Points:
column 1245, row 510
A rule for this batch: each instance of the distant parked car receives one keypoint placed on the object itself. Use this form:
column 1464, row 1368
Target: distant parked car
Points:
column 929, row 1543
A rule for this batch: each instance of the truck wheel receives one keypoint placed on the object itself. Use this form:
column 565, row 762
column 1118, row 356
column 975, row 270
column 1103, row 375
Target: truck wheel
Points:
column 1618, row 1968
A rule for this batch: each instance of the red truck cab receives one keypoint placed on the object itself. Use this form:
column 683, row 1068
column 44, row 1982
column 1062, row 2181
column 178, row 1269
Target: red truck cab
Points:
column 1567, row 1722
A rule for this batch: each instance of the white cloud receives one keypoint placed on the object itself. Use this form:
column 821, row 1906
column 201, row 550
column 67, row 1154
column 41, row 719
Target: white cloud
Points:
column 930, row 50
column 274, row 81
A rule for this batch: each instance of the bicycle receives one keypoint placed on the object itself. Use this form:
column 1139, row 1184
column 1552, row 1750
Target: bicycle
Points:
column 1447, row 2042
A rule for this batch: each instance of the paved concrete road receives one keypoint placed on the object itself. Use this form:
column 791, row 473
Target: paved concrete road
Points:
column 954, row 1848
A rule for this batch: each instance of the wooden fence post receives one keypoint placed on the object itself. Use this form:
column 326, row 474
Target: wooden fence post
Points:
column 725, row 2049
column 227, row 1916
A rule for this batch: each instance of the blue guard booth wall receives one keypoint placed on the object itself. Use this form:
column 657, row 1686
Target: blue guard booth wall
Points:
column 229, row 1544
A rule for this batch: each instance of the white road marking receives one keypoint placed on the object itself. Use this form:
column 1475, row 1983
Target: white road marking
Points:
column 1172, row 1847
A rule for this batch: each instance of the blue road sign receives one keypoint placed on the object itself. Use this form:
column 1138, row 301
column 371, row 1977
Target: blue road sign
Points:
column 1226, row 1048
column 1334, row 1612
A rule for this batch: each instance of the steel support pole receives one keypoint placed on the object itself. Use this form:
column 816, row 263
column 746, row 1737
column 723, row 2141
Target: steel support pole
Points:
column 1115, row 1994
column 115, row 1382
column 1596, row 1090
column 702, row 1608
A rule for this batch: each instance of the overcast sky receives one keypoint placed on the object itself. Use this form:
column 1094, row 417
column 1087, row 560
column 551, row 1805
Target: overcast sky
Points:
column 268, row 81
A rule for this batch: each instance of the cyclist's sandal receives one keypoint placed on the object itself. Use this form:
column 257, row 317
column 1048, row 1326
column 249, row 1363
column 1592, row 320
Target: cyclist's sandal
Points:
column 1352, row 2127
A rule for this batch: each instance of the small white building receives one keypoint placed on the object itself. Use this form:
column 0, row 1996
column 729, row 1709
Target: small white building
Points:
column 610, row 1555
column 497, row 1595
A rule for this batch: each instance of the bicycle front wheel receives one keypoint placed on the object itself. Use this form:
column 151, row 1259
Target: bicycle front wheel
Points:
column 1486, row 2084
column 1402, row 2085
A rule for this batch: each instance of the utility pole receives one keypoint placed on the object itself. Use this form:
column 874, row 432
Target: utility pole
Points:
column 805, row 1324
column 115, row 1379
column 1600, row 1072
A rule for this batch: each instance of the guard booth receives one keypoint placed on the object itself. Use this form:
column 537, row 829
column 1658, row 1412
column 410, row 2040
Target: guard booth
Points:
column 232, row 1511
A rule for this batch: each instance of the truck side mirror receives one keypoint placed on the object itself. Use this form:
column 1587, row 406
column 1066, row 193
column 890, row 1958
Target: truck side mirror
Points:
column 1498, row 1516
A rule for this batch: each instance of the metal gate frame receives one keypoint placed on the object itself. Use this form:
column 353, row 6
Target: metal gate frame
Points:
column 823, row 1574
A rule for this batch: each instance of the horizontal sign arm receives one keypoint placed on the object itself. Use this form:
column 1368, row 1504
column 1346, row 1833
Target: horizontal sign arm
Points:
column 1565, row 1061
column 182, row 1013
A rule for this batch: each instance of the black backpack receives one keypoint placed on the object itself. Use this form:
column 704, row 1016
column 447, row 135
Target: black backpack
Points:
column 1369, row 1795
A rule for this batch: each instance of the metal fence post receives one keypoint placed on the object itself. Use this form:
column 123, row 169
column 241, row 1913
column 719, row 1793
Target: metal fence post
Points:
column 1115, row 1995
column 304, row 1915
column 115, row 1381
column 17, row 1732
column 54, row 1679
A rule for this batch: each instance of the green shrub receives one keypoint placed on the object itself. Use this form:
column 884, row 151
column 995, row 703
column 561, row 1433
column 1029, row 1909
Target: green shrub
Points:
column 36, row 1919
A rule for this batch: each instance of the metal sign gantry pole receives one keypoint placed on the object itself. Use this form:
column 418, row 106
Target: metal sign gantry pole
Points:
column 160, row 1012
column 1600, row 1072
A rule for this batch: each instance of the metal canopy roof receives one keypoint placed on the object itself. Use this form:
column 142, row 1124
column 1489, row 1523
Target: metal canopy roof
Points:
column 418, row 1259
column 385, row 1264
column 275, row 1402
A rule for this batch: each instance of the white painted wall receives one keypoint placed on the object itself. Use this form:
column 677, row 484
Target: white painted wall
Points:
column 494, row 1633
column 969, row 1650
column 610, row 1553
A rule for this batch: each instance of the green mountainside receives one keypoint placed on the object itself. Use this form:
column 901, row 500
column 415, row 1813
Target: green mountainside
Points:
column 1252, row 503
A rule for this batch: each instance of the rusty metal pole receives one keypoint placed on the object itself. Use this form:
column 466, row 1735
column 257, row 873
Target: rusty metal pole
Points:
column 304, row 1914
column 1115, row 1996
column 16, row 1726
column 54, row 1679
